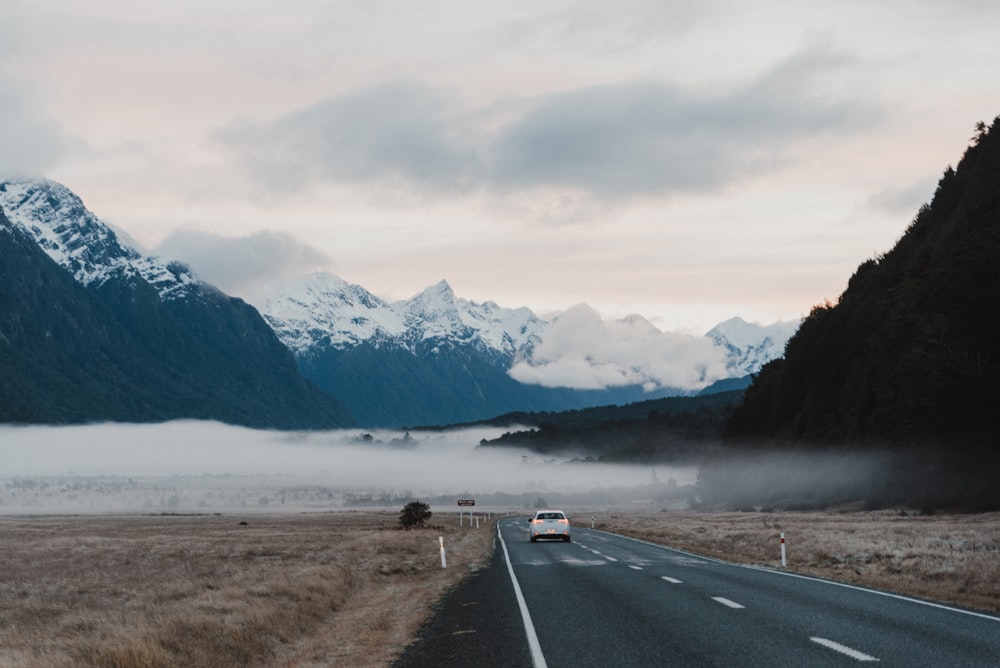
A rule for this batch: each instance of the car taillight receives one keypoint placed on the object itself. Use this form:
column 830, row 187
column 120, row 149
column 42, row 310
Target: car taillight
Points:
column 563, row 521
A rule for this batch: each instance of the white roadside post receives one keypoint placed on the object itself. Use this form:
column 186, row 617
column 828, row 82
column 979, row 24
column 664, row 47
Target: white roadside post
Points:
column 444, row 559
column 784, row 561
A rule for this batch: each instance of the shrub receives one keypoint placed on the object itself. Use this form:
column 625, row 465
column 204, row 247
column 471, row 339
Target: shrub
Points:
column 414, row 514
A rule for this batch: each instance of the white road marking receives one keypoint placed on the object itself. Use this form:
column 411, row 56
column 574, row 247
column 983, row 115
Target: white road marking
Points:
column 537, row 658
column 843, row 649
column 726, row 601
column 610, row 558
column 583, row 562
column 939, row 606
column 672, row 580
column 635, row 568
column 686, row 561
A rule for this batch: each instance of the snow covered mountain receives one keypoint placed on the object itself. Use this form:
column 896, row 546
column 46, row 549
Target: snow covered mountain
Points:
column 75, row 239
column 325, row 311
column 438, row 359
column 432, row 359
column 750, row 346
column 92, row 330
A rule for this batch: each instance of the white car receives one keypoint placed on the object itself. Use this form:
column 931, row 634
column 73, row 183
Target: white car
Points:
column 549, row 524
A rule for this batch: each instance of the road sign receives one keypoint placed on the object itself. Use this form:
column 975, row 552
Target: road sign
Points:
column 466, row 502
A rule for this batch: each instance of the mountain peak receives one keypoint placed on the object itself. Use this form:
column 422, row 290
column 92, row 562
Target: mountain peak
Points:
column 324, row 309
column 78, row 241
column 751, row 345
column 63, row 228
column 439, row 294
column 101, row 333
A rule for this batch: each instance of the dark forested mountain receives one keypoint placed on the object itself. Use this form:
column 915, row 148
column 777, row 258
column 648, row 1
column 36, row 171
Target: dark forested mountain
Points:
column 676, row 430
column 92, row 331
column 908, row 359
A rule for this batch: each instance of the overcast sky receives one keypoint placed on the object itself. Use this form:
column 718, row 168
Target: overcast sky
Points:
column 688, row 161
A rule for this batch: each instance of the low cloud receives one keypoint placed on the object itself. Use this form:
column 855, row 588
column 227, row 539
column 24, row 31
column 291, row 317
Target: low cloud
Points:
column 623, row 140
column 580, row 350
column 207, row 465
column 242, row 265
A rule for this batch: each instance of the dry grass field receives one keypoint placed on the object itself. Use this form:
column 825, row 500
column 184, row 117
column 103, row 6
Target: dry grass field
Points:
column 952, row 559
column 341, row 588
column 349, row 588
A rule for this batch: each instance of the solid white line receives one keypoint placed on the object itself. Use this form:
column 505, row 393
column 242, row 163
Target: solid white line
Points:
column 537, row 658
column 940, row 606
column 671, row 580
column 726, row 601
column 843, row 649
column 899, row 597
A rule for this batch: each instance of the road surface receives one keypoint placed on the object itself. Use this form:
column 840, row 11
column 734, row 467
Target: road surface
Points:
column 606, row 600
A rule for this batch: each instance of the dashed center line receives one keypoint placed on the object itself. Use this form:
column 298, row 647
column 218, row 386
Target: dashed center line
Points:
column 829, row 644
column 727, row 602
column 843, row 649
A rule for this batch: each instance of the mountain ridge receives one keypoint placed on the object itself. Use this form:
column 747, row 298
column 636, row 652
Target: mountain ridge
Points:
column 465, row 352
column 434, row 358
column 93, row 331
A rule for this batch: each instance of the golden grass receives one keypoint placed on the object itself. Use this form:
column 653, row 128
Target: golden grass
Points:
column 350, row 588
column 284, row 590
column 947, row 558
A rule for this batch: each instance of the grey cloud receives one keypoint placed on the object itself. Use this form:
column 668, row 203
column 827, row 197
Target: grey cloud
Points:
column 653, row 138
column 242, row 265
column 398, row 132
column 31, row 141
column 602, row 28
column 631, row 139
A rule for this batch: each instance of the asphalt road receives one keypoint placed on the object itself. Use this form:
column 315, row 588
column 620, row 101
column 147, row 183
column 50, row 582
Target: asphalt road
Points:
column 606, row 600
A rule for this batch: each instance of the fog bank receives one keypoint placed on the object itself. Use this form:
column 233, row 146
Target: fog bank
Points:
column 208, row 465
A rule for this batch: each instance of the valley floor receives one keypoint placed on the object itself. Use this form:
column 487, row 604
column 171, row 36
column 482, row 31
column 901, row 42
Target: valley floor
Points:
column 351, row 588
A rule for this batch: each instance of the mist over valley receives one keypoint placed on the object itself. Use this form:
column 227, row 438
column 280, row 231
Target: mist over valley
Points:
column 199, row 467
column 900, row 374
